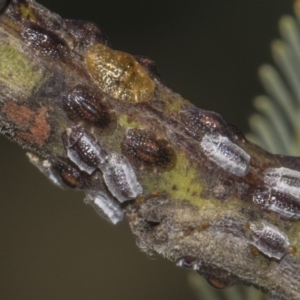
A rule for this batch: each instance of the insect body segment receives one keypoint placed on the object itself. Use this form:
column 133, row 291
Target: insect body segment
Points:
column 83, row 149
column 120, row 178
column 71, row 176
column 44, row 42
column 286, row 205
column 105, row 206
column 284, row 180
column 119, row 74
column 147, row 150
column 269, row 240
column 281, row 194
column 225, row 154
column 81, row 104
column 61, row 173
column 197, row 122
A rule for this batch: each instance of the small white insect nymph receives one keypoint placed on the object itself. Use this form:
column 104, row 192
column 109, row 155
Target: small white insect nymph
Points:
column 285, row 205
column 269, row 240
column 225, row 154
column 105, row 206
column 83, row 149
column 284, row 180
column 120, row 178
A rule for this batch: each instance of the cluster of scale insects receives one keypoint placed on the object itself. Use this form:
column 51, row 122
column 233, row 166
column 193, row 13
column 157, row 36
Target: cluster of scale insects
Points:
column 133, row 80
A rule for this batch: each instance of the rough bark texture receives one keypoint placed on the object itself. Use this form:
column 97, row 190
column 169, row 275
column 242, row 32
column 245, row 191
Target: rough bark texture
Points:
column 195, row 210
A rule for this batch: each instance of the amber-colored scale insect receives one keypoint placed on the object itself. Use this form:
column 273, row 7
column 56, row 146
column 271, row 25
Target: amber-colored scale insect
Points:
column 119, row 74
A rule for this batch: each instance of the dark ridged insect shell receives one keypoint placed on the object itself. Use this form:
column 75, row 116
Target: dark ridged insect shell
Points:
column 71, row 176
column 44, row 42
column 119, row 74
column 81, row 104
column 87, row 33
column 146, row 149
column 285, row 205
column 83, row 149
column 197, row 122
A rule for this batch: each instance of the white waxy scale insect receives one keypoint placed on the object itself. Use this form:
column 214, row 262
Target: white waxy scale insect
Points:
column 284, row 180
column 105, row 206
column 83, row 149
column 120, row 178
column 286, row 205
column 45, row 167
column 269, row 240
column 225, row 154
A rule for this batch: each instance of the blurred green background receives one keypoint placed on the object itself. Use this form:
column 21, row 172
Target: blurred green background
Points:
column 52, row 246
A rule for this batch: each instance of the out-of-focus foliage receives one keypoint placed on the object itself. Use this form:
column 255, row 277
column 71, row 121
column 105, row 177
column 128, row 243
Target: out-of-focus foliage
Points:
column 276, row 126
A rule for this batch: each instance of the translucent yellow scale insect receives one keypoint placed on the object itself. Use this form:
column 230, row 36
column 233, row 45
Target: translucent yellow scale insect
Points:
column 119, row 74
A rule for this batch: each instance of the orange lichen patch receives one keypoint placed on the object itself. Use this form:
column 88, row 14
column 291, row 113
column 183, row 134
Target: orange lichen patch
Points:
column 41, row 129
column 34, row 126
column 19, row 114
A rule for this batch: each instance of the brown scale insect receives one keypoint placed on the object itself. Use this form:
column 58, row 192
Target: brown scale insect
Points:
column 44, row 42
column 83, row 149
column 148, row 151
column 198, row 122
column 71, row 176
column 87, row 33
column 81, row 104
column 219, row 279
column 285, row 205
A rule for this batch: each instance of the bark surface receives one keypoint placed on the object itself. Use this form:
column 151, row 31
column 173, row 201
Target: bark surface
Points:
column 205, row 191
